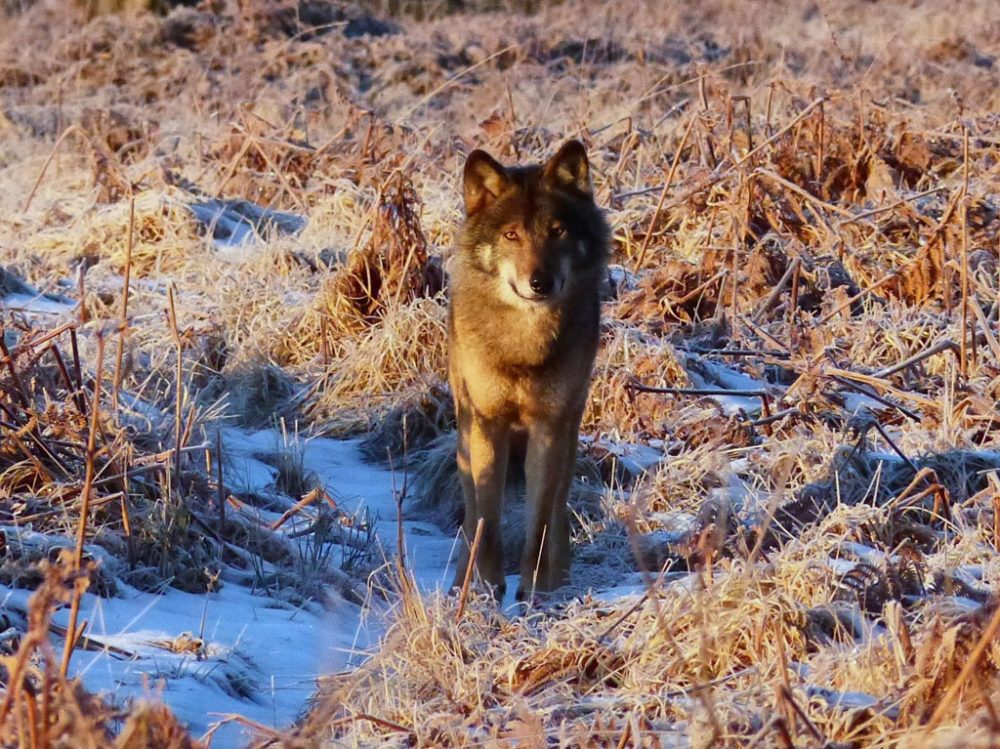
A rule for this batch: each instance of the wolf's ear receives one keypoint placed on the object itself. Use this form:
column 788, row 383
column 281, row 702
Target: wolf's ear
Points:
column 484, row 179
column 570, row 168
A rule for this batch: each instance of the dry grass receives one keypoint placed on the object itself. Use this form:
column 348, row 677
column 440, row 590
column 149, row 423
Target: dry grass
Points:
column 802, row 194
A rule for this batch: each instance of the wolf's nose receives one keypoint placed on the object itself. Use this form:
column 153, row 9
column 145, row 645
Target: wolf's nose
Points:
column 541, row 282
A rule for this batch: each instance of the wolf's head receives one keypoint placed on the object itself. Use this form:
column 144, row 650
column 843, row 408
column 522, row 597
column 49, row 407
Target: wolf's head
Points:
column 536, row 228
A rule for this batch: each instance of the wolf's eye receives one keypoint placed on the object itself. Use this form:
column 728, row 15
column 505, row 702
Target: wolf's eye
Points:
column 557, row 231
column 511, row 235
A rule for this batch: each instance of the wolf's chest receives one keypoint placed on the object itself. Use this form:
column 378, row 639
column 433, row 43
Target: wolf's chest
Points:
column 521, row 369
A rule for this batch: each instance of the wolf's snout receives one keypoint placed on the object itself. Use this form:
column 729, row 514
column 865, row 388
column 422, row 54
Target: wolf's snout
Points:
column 536, row 284
column 542, row 282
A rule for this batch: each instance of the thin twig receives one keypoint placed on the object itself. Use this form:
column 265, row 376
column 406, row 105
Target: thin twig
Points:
column 787, row 694
column 859, row 388
column 460, row 74
column 802, row 192
column 892, row 206
column 220, row 489
column 895, row 448
column 31, row 344
column 123, row 316
column 178, row 386
column 739, row 352
column 469, row 568
column 85, row 497
column 719, row 176
column 640, row 388
column 775, row 294
column 859, row 296
column 917, row 358
column 48, row 161
column 306, row 500
column 663, row 193
column 963, row 350
column 637, row 387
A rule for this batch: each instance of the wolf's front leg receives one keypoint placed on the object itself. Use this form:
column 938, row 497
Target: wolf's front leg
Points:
column 549, row 472
column 470, row 512
column 483, row 452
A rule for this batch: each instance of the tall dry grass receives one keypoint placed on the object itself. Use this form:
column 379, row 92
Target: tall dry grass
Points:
column 804, row 194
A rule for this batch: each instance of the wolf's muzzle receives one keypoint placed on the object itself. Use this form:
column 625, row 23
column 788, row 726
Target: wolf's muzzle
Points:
column 542, row 282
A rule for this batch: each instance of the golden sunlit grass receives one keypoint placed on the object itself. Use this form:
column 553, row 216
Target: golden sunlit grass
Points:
column 802, row 194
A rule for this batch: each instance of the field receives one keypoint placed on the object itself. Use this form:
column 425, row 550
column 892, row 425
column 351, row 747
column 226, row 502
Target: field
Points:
column 226, row 441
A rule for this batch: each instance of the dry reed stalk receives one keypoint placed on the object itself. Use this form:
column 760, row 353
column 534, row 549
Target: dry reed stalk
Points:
column 123, row 316
column 470, row 568
column 918, row 478
column 381, row 722
column 220, row 490
column 32, row 344
column 987, row 329
column 15, row 677
column 747, row 101
column 19, row 390
column 455, row 78
column 967, row 322
column 234, row 163
column 843, row 376
column 255, row 726
column 820, row 143
column 663, row 193
column 790, row 273
column 859, row 296
column 701, row 288
column 786, row 694
column 277, row 172
column 892, row 206
column 85, row 501
column 793, row 305
column 94, row 503
column 77, row 368
column 769, row 108
column 41, row 175
column 651, row 585
column 804, row 194
column 747, row 393
column 178, row 386
column 307, row 500
column 995, row 485
column 70, row 388
column 721, row 175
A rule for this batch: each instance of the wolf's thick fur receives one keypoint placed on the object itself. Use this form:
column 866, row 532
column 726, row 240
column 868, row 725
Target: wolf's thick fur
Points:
column 524, row 323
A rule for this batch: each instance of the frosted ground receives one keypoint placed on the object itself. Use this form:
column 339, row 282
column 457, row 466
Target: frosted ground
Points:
column 804, row 201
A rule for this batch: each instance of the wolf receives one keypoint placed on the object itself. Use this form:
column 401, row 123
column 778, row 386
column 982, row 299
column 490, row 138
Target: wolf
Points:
column 523, row 329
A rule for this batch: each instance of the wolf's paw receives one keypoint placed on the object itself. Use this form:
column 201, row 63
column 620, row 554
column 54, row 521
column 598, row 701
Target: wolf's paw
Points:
column 497, row 592
column 528, row 598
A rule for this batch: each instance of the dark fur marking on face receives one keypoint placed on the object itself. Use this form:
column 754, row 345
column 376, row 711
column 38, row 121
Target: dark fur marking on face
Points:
column 531, row 196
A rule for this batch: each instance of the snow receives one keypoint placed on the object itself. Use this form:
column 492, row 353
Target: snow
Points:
column 35, row 303
column 18, row 296
column 252, row 645
column 636, row 459
column 237, row 225
column 721, row 376
column 260, row 657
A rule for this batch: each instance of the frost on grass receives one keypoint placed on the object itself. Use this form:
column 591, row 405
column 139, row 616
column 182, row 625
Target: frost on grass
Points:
column 792, row 432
